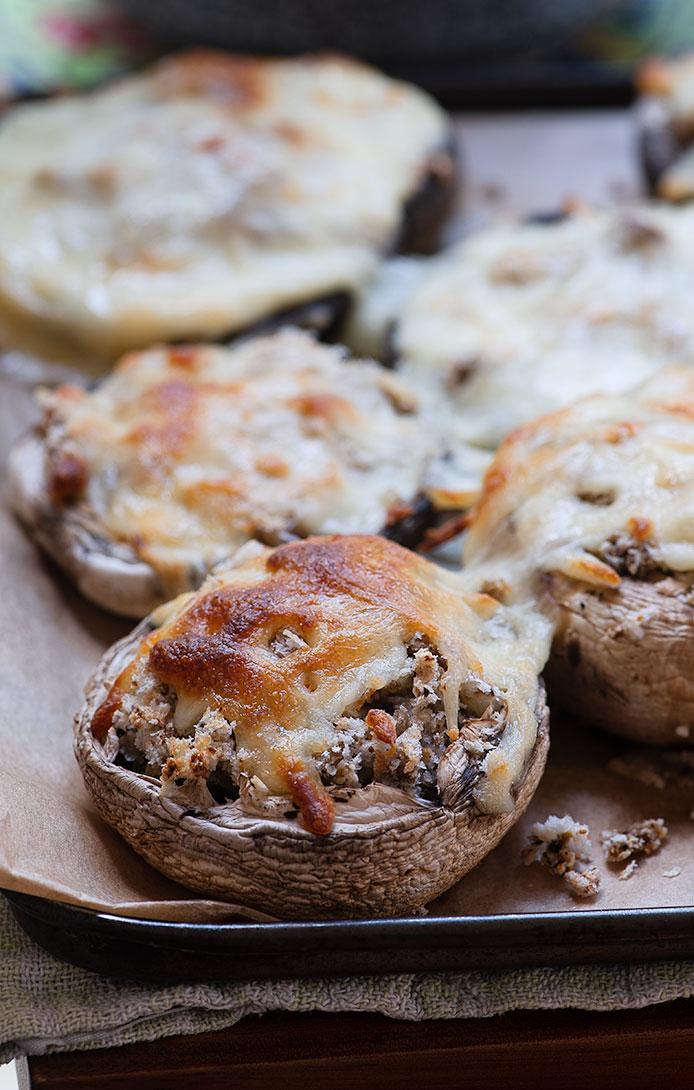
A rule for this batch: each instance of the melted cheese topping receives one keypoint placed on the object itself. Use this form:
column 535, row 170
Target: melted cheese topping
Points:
column 522, row 320
column 355, row 603
column 191, row 451
column 197, row 198
column 607, row 468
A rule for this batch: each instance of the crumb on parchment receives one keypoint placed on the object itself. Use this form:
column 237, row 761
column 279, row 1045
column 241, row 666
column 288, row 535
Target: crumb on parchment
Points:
column 641, row 838
column 563, row 846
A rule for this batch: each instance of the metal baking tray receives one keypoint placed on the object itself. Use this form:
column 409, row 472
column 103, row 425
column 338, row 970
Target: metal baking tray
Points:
column 174, row 952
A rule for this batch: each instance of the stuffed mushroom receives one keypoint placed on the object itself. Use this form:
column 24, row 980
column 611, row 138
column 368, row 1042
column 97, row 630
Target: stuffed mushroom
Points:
column 592, row 510
column 522, row 319
column 331, row 728
column 184, row 453
column 666, row 120
column 208, row 193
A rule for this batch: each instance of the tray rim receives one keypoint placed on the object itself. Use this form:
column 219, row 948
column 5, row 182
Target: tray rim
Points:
column 138, row 949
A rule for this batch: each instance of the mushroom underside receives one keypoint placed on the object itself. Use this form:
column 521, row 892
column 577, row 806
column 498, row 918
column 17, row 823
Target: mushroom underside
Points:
column 623, row 659
column 389, row 852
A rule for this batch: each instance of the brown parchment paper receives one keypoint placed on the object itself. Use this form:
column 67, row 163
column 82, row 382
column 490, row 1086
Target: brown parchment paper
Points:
column 53, row 843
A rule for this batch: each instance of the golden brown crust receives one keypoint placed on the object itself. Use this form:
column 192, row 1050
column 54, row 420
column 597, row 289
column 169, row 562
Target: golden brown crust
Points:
column 347, row 609
column 234, row 78
column 387, row 855
column 148, row 460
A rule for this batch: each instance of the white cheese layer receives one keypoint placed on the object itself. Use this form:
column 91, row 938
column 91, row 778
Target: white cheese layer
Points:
column 190, row 451
column 203, row 195
column 355, row 603
column 521, row 320
column 567, row 490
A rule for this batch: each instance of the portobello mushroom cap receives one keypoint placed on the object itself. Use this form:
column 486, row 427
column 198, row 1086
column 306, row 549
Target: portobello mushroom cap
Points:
column 589, row 510
column 211, row 193
column 184, row 453
column 333, row 728
column 623, row 658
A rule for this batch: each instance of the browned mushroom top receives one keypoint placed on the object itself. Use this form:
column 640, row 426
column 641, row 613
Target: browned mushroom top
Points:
column 288, row 646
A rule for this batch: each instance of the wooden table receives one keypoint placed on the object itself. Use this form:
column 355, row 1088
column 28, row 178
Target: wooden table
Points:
column 647, row 1049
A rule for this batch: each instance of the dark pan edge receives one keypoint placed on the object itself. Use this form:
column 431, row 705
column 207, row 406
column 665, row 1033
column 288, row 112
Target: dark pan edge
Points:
column 173, row 952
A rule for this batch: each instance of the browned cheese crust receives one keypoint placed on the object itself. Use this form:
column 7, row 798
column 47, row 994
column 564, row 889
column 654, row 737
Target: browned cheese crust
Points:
column 183, row 453
column 267, row 680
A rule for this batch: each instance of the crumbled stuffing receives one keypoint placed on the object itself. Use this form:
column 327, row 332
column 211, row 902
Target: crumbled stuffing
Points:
column 584, row 883
column 398, row 737
column 631, row 557
column 642, row 838
column 287, row 641
column 563, row 846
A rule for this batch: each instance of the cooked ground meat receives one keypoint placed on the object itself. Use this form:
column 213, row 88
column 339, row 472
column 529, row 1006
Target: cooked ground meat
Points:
column 628, row 556
column 397, row 737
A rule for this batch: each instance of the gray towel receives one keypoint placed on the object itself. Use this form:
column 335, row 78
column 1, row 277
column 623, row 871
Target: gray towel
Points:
column 47, row 1006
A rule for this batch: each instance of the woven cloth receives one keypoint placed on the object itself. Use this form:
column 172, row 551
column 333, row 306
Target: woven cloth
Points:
column 47, row 1006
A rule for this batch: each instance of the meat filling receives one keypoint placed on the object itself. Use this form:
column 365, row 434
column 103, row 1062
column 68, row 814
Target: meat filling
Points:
column 629, row 556
column 396, row 737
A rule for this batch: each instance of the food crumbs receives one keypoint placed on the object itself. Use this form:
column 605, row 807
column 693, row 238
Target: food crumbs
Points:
column 562, row 845
column 642, row 838
column 628, row 871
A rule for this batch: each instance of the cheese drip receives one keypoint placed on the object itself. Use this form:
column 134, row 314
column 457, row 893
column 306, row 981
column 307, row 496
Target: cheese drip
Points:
column 353, row 604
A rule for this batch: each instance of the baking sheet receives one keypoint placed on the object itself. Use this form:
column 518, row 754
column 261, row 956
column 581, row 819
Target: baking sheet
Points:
column 54, row 845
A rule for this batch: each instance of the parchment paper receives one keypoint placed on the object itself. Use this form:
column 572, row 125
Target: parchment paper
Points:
column 53, row 843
